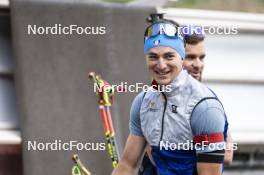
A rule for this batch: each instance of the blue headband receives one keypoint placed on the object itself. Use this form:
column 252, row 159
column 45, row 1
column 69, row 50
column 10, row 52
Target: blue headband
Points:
column 175, row 43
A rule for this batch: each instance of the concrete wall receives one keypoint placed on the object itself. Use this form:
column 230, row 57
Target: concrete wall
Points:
column 55, row 98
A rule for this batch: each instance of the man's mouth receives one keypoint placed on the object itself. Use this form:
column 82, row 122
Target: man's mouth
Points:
column 163, row 73
column 195, row 74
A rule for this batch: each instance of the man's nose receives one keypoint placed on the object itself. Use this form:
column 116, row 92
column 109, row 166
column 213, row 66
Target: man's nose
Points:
column 161, row 63
column 197, row 63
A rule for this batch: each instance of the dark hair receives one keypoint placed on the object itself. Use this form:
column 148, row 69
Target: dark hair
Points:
column 153, row 17
column 193, row 39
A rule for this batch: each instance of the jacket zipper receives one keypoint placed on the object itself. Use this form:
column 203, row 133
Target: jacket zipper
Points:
column 163, row 116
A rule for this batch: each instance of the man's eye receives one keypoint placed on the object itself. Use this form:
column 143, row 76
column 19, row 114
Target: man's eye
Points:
column 169, row 57
column 190, row 57
column 152, row 57
column 202, row 57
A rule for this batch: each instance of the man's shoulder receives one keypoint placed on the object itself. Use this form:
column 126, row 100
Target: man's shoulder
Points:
column 139, row 97
column 138, row 100
column 209, row 111
column 198, row 88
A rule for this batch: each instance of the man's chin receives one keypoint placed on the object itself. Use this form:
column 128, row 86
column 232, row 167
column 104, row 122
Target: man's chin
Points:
column 163, row 81
column 196, row 76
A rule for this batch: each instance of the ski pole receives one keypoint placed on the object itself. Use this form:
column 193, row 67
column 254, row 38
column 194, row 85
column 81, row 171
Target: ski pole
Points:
column 112, row 137
column 109, row 135
column 79, row 168
column 105, row 93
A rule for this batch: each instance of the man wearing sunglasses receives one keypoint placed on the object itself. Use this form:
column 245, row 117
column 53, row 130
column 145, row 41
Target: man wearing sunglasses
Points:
column 169, row 120
column 194, row 64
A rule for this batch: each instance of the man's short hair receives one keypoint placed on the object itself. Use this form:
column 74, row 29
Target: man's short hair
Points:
column 193, row 39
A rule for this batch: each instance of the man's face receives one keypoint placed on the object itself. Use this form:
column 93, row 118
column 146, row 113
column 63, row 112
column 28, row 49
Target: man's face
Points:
column 164, row 64
column 194, row 60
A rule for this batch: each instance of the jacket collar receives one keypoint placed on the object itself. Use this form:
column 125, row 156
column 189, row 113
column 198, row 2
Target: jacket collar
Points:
column 175, row 86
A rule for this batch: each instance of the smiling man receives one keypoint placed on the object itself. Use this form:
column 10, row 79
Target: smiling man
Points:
column 189, row 112
column 195, row 54
column 162, row 70
column 194, row 64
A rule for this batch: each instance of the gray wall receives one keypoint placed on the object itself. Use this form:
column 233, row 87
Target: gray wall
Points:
column 55, row 98
column 8, row 113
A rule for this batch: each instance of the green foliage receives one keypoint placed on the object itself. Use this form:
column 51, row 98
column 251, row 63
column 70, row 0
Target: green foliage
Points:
column 189, row 3
column 226, row 5
column 118, row 1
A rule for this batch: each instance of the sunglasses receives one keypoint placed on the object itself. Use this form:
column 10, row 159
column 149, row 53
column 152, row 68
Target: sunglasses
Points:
column 160, row 28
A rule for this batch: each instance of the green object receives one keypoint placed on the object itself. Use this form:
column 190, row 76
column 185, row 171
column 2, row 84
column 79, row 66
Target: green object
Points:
column 105, row 94
column 118, row 1
column 255, row 6
column 79, row 168
column 105, row 91
column 76, row 170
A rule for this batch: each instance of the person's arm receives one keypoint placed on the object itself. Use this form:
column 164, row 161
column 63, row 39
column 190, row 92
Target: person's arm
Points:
column 229, row 151
column 204, row 168
column 208, row 121
column 135, row 144
column 148, row 151
column 133, row 151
